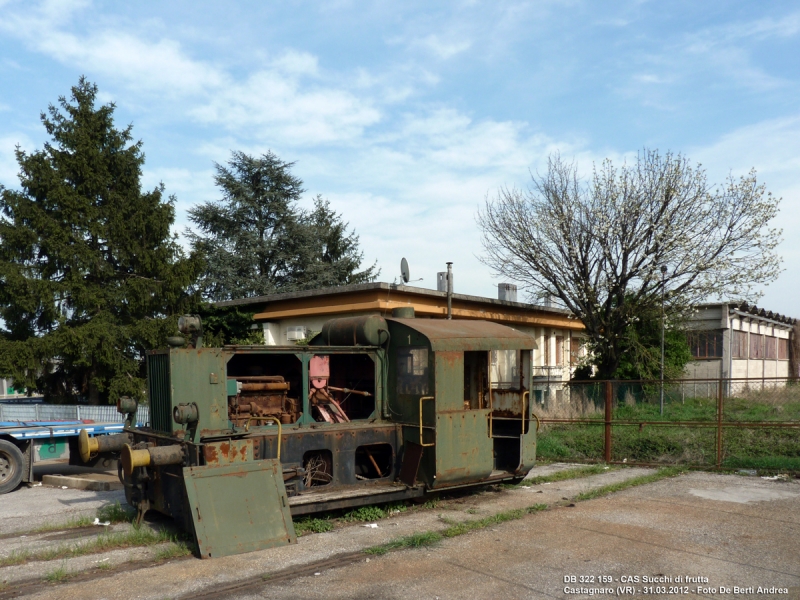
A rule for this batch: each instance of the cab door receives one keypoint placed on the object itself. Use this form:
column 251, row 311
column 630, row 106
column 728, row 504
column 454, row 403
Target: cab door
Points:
column 463, row 450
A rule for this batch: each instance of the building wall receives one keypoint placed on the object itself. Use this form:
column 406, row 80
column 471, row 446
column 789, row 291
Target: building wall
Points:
column 727, row 319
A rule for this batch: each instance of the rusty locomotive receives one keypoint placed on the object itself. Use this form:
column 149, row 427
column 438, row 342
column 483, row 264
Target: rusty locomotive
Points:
column 371, row 410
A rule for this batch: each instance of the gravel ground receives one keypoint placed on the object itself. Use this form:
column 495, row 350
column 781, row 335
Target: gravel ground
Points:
column 727, row 528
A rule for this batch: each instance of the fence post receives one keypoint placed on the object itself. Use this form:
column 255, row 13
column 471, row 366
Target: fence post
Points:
column 36, row 412
column 2, row 417
column 719, row 423
column 607, row 444
column 78, row 412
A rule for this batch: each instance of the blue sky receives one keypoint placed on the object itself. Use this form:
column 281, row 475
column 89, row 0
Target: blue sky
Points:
column 407, row 115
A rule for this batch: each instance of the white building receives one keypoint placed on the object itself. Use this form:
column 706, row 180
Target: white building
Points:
column 739, row 341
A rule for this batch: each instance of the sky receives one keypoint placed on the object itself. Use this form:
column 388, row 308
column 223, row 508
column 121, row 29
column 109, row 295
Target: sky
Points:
column 407, row 116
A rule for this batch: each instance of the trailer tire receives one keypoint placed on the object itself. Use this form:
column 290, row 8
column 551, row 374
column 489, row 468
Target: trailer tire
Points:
column 11, row 465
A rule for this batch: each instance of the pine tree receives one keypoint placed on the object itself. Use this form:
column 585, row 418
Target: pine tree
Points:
column 91, row 274
column 257, row 241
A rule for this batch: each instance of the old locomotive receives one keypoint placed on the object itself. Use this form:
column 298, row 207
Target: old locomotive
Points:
column 372, row 410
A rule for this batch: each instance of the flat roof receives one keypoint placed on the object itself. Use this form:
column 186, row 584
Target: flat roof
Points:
column 459, row 335
column 379, row 285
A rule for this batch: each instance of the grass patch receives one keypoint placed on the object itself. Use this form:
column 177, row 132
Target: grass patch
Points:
column 575, row 473
column 309, row 525
column 137, row 536
column 429, row 538
column 365, row 513
column 113, row 513
column 74, row 523
column 174, row 550
column 58, row 575
column 684, row 445
column 641, row 480
column 415, row 540
column 116, row 513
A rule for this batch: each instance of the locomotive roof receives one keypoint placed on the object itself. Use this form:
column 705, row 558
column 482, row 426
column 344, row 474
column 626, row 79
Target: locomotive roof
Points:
column 458, row 335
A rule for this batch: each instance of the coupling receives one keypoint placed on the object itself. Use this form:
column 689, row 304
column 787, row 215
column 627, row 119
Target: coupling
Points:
column 145, row 457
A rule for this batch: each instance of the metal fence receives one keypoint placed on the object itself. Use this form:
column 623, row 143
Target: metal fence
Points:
column 65, row 412
column 721, row 423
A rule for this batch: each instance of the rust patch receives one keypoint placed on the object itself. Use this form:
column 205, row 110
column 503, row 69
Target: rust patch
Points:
column 210, row 454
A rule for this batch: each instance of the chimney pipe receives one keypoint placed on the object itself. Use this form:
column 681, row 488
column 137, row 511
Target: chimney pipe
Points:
column 449, row 290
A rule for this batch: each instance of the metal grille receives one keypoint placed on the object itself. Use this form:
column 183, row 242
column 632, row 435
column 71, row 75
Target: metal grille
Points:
column 159, row 390
column 68, row 412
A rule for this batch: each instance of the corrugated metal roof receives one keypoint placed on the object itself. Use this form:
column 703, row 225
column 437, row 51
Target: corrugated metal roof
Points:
column 465, row 335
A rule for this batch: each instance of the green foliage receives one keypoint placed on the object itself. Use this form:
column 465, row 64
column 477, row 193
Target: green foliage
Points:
column 640, row 348
column 365, row 513
column 228, row 325
column 309, row 525
column 258, row 242
column 91, row 274
column 116, row 513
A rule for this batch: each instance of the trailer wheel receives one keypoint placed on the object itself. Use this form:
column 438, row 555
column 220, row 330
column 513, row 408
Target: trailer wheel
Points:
column 11, row 462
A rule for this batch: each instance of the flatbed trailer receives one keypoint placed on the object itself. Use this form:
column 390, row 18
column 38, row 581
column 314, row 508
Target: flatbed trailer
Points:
column 24, row 443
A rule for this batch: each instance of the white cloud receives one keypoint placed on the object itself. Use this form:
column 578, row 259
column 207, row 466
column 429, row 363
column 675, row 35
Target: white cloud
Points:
column 270, row 106
column 442, row 48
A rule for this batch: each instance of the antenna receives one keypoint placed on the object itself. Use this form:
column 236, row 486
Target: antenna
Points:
column 405, row 275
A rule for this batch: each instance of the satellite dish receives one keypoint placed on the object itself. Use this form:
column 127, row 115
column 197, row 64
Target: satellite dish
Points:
column 404, row 274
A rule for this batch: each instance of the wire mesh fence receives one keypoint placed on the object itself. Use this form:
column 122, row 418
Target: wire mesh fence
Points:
column 722, row 423
column 65, row 412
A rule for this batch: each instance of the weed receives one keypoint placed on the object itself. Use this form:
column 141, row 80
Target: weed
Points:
column 472, row 511
column 575, row 473
column 415, row 540
column 60, row 574
column 365, row 513
column 74, row 523
column 308, row 525
column 173, row 550
column 432, row 503
column 622, row 485
column 106, row 566
column 137, row 536
column 428, row 538
column 116, row 513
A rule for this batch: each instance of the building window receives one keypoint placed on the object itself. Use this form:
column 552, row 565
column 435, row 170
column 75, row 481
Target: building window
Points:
column 770, row 347
column 559, row 350
column 705, row 344
column 783, row 349
column 739, row 344
column 756, row 346
column 574, row 350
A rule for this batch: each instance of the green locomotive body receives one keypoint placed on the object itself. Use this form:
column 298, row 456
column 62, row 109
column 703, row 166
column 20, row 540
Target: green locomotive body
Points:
column 371, row 410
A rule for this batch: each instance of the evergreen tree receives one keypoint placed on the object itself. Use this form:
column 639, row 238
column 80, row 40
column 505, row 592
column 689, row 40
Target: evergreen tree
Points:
column 257, row 241
column 90, row 273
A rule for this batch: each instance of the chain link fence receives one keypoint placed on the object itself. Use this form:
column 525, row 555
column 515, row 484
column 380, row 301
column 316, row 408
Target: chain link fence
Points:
column 721, row 423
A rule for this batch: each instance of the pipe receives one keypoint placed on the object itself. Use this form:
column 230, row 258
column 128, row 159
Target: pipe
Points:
column 449, row 290
column 92, row 446
column 265, row 387
column 156, row 455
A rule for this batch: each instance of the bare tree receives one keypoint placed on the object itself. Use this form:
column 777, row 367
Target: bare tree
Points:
column 599, row 245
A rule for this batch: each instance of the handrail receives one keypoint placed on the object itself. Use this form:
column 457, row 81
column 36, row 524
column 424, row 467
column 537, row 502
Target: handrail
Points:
column 489, row 377
column 273, row 419
column 421, row 443
column 525, row 393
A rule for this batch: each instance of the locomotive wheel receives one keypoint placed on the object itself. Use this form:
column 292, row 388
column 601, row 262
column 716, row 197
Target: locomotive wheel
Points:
column 11, row 462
